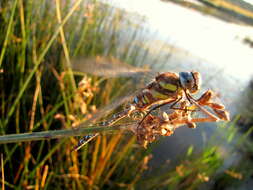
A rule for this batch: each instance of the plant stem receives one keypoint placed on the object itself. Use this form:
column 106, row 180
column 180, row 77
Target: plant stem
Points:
column 54, row 134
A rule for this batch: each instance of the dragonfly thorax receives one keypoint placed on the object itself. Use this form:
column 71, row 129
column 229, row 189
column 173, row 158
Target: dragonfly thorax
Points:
column 166, row 86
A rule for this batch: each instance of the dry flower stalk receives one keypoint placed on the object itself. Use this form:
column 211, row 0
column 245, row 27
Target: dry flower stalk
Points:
column 155, row 126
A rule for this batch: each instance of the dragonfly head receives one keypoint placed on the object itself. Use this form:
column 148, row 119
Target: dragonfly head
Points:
column 190, row 81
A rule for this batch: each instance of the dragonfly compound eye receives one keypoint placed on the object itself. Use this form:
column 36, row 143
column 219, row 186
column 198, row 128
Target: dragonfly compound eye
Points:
column 187, row 80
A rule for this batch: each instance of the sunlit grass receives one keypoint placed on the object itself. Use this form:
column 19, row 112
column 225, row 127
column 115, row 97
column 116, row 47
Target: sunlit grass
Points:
column 40, row 93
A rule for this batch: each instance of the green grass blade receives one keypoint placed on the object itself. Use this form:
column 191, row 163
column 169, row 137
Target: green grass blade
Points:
column 40, row 59
column 8, row 32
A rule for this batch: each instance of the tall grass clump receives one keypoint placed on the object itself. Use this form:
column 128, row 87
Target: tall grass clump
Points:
column 39, row 92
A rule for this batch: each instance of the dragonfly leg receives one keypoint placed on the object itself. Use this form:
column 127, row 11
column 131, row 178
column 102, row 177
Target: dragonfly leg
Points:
column 180, row 108
column 210, row 117
column 158, row 106
column 116, row 117
column 84, row 140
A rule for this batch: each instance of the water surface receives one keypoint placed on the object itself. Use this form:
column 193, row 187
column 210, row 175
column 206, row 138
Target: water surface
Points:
column 193, row 41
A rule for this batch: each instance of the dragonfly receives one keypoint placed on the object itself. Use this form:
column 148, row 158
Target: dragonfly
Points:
column 168, row 88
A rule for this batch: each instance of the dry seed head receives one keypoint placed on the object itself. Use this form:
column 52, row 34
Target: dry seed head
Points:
column 163, row 131
column 61, row 118
column 71, row 117
column 153, row 127
column 173, row 116
column 83, row 108
column 183, row 104
column 165, row 116
column 203, row 177
column 93, row 108
column 168, row 126
column 191, row 125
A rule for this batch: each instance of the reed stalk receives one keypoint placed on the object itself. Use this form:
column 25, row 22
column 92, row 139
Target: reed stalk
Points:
column 56, row 134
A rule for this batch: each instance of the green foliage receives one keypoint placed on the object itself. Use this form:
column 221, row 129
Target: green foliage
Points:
column 190, row 173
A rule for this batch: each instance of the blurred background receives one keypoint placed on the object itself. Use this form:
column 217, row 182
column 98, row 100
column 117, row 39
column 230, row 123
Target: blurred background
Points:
column 50, row 79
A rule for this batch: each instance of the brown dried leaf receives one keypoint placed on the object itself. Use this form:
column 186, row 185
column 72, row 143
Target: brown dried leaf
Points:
column 222, row 114
column 205, row 98
column 216, row 106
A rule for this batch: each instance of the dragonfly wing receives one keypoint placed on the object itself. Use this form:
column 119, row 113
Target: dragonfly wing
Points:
column 112, row 67
column 110, row 107
column 109, row 67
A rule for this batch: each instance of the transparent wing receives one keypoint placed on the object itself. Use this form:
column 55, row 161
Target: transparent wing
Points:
column 111, row 67
column 110, row 107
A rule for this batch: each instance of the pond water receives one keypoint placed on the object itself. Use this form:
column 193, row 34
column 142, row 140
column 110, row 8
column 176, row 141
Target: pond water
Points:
column 198, row 42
